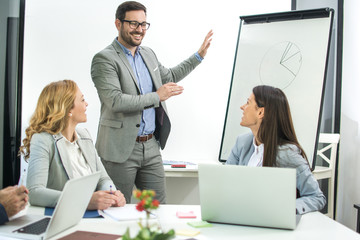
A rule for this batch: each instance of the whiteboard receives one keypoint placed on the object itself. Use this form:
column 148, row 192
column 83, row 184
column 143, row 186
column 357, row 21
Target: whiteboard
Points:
column 290, row 54
column 62, row 36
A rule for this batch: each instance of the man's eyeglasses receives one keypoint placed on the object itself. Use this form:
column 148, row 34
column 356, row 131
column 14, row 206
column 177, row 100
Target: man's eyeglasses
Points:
column 135, row 24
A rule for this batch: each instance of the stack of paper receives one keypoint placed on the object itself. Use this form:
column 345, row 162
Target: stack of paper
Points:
column 128, row 212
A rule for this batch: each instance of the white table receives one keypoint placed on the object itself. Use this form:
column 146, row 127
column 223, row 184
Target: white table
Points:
column 311, row 226
column 189, row 171
column 182, row 186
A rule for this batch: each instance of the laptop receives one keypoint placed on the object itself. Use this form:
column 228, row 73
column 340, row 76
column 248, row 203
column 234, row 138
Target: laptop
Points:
column 253, row 196
column 69, row 210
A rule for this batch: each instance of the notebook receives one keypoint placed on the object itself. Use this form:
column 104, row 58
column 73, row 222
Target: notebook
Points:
column 70, row 208
column 254, row 196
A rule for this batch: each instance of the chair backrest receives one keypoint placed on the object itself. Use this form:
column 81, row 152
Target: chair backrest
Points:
column 330, row 141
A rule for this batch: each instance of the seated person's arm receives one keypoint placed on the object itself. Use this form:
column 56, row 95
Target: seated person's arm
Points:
column 3, row 215
column 311, row 197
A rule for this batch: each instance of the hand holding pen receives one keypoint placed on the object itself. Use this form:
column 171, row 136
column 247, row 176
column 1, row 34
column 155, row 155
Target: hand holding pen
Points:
column 102, row 199
column 120, row 199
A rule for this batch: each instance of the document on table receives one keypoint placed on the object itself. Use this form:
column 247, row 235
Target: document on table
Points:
column 128, row 212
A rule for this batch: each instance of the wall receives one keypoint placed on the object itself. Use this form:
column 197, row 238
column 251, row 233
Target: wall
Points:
column 64, row 46
column 349, row 155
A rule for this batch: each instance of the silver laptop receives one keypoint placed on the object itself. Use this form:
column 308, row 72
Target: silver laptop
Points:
column 254, row 196
column 70, row 209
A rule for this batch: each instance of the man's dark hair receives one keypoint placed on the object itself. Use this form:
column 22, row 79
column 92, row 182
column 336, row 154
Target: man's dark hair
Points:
column 128, row 6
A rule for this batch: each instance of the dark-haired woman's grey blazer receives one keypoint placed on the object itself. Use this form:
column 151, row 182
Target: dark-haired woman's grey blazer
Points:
column 311, row 197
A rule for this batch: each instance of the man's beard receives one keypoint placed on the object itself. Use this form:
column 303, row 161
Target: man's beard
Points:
column 127, row 38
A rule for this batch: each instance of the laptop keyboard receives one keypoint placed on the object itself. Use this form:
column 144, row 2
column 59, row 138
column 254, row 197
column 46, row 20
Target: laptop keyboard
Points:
column 37, row 228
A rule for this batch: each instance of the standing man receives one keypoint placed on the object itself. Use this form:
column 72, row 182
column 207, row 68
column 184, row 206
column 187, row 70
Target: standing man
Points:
column 133, row 86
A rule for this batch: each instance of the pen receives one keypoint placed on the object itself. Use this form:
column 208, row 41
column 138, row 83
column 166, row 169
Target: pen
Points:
column 111, row 192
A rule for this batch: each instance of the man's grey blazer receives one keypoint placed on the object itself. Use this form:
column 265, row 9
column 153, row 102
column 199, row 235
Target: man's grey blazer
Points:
column 49, row 168
column 121, row 101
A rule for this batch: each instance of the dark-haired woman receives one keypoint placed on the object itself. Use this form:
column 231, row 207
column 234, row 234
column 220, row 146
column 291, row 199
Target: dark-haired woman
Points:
column 273, row 143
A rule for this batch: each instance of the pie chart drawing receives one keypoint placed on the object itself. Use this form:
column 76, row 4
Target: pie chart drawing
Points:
column 280, row 65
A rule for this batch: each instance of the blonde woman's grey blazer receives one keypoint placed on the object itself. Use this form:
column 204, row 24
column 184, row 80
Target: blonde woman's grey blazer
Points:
column 49, row 169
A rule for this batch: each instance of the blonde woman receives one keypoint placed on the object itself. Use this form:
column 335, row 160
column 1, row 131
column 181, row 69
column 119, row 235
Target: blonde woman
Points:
column 57, row 152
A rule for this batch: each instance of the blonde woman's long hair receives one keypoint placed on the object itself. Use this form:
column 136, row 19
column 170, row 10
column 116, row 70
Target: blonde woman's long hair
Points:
column 52, row 111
